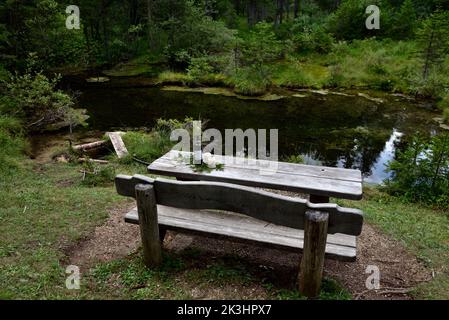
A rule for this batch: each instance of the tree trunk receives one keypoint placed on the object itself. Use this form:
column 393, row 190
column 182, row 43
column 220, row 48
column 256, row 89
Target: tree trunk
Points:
column 252, row 7
column 428, row 55
column 150, row 22
column 296, row 9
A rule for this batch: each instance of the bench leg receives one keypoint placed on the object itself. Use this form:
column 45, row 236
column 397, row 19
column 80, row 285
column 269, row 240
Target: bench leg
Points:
column 312, row 262
column 149, row 227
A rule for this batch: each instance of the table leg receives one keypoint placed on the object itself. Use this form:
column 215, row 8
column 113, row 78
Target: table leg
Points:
column 318, row 199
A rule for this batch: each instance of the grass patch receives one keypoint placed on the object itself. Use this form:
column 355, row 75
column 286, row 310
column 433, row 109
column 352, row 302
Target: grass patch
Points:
column 37, row 217
column 194, row 270
column 423, row 230
column 146, row 146
column 330, row 290
column 175, row 78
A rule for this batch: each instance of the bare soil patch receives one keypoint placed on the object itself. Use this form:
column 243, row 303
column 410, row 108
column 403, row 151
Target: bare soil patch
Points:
column 400, row 271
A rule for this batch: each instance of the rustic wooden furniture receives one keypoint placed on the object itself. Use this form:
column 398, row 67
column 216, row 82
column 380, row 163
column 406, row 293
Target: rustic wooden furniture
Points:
column 320, row 182
column 245, row 214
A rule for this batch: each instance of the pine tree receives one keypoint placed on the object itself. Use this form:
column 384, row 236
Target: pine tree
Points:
column 405, row 21
column 433, row 40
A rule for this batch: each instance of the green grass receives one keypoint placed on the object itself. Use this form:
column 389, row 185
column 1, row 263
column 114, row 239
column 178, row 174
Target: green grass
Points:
column 192, row 269
column 170, row 77
column 38, row 216
column 146, row 146
column 423, row 230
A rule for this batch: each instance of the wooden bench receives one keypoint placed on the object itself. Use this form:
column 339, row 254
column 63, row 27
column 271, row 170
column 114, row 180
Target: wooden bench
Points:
column 246, row 214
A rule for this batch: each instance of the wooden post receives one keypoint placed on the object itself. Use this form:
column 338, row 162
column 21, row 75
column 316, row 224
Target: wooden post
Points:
column 149, row 227
column 312, row 262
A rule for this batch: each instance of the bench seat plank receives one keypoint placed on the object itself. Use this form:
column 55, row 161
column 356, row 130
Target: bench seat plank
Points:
column 339, row 246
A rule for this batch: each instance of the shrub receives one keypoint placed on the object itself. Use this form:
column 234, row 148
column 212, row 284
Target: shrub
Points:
column 201, row 71
column 98, row 175
column 348, row 21
column 34, row 99
column 251, row 82
column 313, row 39
column 431, row 87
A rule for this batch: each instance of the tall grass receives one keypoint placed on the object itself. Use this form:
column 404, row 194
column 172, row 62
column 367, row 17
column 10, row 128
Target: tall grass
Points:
column 12, row 143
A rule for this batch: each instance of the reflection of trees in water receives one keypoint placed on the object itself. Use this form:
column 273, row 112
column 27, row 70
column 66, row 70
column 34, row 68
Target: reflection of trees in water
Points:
column 348, row 148
column 350, row 132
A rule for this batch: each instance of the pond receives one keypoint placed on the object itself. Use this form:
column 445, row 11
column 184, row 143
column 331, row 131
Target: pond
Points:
column 340, row 129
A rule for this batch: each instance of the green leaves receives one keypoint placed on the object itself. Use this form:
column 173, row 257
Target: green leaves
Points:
column 421, row 172
column 33, row 98
column 433, row 40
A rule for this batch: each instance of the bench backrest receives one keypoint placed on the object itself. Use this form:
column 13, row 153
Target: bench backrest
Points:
column 269, row 207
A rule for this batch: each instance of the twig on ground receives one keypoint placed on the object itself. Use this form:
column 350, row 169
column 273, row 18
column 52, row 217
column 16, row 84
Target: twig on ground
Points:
column 384, row 291
column 141, row 161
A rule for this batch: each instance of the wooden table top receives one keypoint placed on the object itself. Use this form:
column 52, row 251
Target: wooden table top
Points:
column 314, row 180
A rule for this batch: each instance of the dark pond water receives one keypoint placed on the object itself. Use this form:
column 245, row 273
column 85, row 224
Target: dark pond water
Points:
column 332, row 130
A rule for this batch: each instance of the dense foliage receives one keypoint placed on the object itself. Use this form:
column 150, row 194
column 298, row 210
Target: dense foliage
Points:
column 247, row 45
column 421, row 172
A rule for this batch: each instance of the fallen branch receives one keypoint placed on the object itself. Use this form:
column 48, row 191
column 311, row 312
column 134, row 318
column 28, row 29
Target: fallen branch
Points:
column 82, row 160
column 384, row 291
column 141, row 161
column 84, row 172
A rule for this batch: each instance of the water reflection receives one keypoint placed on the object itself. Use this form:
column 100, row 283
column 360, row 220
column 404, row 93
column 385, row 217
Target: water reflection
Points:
column 338, row 131
column 377, row 173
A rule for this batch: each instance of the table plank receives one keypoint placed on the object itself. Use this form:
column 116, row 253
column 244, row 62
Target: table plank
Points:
column 322, row 181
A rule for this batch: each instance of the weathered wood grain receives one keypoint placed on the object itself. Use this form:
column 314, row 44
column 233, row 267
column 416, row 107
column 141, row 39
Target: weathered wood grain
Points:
column 90, row 146
column 149, row 226
column 319, row 181
column 269, row 207
column 312, row 262
column 126, row 185
column 243, row 228
column 117, row 142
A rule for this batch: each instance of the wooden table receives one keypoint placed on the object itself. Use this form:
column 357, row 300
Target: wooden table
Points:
column 320, row 182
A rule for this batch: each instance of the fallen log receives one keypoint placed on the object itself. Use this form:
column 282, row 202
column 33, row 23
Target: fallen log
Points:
column 90, row 146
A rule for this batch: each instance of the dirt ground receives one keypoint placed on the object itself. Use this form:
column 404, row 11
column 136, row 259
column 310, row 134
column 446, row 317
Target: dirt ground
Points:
column 399, row 270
